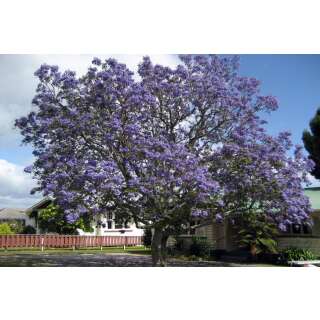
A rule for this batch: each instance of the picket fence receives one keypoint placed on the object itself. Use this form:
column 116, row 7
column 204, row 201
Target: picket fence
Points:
column 65, row 241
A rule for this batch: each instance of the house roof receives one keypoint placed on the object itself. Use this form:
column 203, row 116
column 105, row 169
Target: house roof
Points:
column 40, row 205
column 12, row 213
column 314, row 196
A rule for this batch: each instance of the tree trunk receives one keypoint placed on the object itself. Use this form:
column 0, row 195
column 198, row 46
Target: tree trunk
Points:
column 156, row 248
column 164, row 250
column 253, row 252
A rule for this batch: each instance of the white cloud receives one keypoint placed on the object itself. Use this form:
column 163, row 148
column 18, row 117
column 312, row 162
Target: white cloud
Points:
column 15, row 186
column 17, row 88
column 18, row 84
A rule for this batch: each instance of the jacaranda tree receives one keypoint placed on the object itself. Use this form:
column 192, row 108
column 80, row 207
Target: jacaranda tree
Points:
column 152, row 149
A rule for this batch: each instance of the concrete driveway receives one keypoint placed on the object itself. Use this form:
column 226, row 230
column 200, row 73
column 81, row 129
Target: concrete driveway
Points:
column 97, row 260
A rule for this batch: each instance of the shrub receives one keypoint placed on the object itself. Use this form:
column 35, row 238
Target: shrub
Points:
column 16, row 226
column 29, row 230
column 200, row 247
column 296, row 254
column 5, row 229
column 257, row 234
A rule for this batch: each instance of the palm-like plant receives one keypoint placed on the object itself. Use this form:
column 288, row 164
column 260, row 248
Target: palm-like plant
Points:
column 257, row 234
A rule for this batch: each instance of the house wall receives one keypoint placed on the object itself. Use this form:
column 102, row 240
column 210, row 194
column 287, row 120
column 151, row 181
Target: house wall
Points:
column 27, row 221
column 222, row 236
column 311, row 242
column 215, row 233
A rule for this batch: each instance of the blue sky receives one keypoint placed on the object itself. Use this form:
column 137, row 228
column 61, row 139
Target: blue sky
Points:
column 293, row 79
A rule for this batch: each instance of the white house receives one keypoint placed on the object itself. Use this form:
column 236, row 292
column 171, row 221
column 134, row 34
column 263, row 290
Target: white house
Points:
column 107, row 225
column 103, row 224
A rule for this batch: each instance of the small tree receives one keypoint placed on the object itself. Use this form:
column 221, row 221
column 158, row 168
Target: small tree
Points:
column 5, row 229
column 257, row 234
column 53, row 219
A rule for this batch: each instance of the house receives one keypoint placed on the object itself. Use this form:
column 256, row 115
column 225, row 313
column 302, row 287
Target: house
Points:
column 18, row 217
column 222, row 235
column 103, row 224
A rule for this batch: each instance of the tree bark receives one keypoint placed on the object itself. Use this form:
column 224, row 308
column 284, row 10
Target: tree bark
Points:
column 156, row 248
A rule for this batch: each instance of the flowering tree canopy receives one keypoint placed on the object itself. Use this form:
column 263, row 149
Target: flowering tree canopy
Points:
column 174, row 143
column 256, row 176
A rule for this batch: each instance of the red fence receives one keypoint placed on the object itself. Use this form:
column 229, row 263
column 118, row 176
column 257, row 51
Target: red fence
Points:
column 65, row 241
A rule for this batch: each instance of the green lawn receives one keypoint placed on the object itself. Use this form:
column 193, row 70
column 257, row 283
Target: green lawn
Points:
column 94, row 250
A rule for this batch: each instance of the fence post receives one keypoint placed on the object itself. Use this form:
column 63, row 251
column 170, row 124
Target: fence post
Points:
column 125, row 243
column 42, row 242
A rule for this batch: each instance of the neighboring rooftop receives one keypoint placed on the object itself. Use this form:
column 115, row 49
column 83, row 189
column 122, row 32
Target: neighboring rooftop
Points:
column 12, row 213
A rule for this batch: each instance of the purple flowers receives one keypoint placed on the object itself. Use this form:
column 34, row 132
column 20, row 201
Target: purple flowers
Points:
column 177, row 143
column 28, row 169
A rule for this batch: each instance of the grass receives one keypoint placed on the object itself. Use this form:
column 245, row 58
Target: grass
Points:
column 94, row 250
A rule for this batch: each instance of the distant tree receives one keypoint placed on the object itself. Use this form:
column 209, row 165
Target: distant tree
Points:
column 5, row 229
column 311, row 142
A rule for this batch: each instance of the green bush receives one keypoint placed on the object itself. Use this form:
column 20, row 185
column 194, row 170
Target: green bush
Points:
column 257, row 235
column 28, row 230
column 16, row 226
column 296, row 254
column 200, row 247
column 5, row 229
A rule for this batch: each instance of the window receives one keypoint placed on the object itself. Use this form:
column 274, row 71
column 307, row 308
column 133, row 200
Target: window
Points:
column 109, row 216
column 109, row 224
column 296, row 228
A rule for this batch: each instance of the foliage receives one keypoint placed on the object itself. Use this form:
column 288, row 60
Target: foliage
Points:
column 257, row 234
column 256, row 177
column 16, row 226
column 200, row 247
column 163, row 148
column 147, row 237
column 311, row 140
column 5, row 229
column 28, row 230
column 53, row 219
column 296, row 254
